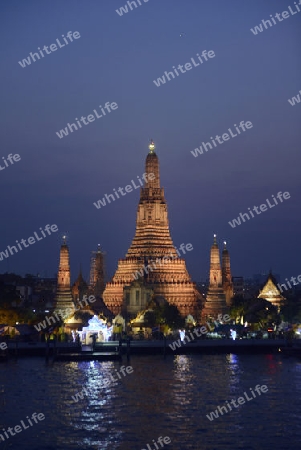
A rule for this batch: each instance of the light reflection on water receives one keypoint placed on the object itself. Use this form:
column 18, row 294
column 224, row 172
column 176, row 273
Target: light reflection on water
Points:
column 168, row 397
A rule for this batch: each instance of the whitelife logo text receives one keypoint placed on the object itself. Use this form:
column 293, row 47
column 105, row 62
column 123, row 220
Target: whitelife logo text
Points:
column 280, row 17
column 221, row 139
column 63, row 313
column 53, row 48
column 128, row 188
column 17, row 428
column 11, row 158
column 187, row 66
column 200, row 331
column 240, row 400
column 124, row 9
column 90, row 118
column 161, row 440
column 263, row 208
column 31, row 240
column 293, row 101
column 105, row 382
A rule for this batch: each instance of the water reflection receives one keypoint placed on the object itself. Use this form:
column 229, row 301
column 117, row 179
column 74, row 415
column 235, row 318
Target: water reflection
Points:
column 168, row 397
column 234, row 374
column 89, row 416
column 182, row 367
column 273, row 363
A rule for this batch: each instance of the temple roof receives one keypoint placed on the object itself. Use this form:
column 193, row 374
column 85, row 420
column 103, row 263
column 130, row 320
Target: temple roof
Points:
column 270, row 290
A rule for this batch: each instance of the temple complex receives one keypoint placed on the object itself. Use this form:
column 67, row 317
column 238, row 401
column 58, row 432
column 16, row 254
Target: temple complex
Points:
column 63, row 296
column 152, row 252
column 216, row 299
column 271, row 293
column 226, row 275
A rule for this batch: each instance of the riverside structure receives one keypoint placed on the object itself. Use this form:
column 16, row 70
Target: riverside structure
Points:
column 64, row 314
column 63, row 298
column 220, row 290
column 152, row 241
column 140, row 273
column 199, row 332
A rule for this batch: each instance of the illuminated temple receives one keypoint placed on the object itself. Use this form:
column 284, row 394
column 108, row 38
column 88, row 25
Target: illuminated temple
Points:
column 271, row 293
column 219, row 283
column 226, row 275
column 63, row 296
column 152, row 242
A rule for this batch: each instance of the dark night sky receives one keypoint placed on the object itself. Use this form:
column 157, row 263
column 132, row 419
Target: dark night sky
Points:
column 116, row 60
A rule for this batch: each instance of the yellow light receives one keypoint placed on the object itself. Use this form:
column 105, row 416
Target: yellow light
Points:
column 151, row 146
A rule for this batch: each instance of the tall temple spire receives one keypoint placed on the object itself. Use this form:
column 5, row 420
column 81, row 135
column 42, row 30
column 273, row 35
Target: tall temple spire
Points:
column 152, row 238
column 97, row 273
column 226, row 275
column 151, row 146
column 63, row 293
column 79, row 288
column 152, row 242
column 152, row 169
column 215, row 301
column 215, row 265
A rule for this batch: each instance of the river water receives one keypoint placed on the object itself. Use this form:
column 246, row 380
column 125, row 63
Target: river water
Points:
column 162, row 397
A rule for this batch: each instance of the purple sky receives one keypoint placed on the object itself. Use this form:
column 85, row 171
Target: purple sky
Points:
column 116, row 59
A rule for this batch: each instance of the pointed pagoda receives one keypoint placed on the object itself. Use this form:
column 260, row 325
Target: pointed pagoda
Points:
column 152, row 242
column 271, row 292
column 63, row 296
column 215, row 300
column 79, row 288
column 97, row 273
column 226, row 275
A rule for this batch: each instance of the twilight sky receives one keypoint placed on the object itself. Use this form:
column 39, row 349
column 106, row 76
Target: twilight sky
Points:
column 116, row 59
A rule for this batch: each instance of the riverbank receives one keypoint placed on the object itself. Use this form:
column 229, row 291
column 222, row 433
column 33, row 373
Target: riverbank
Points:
column 112, row 349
